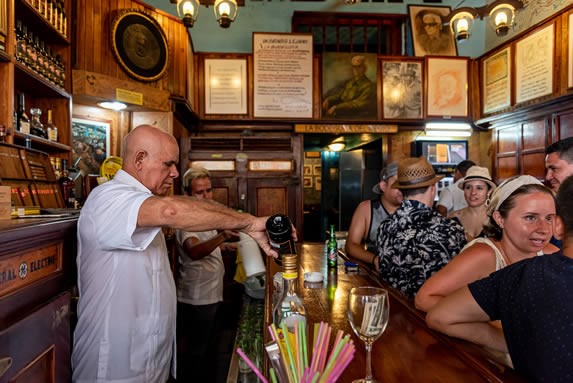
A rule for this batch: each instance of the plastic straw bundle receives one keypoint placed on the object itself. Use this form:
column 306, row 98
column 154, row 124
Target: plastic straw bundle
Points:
column 325, row 366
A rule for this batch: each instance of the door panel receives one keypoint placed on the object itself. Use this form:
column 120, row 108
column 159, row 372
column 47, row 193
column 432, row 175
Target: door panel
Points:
column 225, row 191
column 268, row 196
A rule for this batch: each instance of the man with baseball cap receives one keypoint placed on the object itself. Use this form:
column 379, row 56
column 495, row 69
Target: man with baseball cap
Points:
column 416, row 241
column 363, row 231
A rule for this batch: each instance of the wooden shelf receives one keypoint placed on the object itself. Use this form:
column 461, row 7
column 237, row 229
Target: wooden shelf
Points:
column 25, row 11
column 29, row 81
column 40, row 143
column 5, row 56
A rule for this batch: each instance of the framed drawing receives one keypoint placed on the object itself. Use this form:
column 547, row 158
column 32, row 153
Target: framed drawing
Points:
column 307, row 182
column 534, row 57
column 139, row 45
column 316, row 170
column 429, row 34
column 496, row 77
column 349, row 86
column 402, row 88
column 90, row 144
column 225, row 86
column 307, row 170
column 447, row 90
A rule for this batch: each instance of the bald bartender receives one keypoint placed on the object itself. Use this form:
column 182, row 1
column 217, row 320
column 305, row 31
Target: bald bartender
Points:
column 126, row 310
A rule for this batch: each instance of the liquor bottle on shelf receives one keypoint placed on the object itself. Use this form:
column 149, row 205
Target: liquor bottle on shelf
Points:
column 40, row 55
column 36, row 126
column 332, row 249
column 279, row 230
column 67, row 186
column 21, row 49
column 51, row 128
column 289, row 308
column 23, row 122
column 32, row 54
column 27, row 44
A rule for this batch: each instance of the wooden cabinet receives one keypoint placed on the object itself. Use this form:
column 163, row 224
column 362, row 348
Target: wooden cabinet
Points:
column 39, row 90
column 37, row 271
column 258, row 174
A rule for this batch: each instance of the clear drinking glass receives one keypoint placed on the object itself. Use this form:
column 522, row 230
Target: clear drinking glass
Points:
column 368, row 311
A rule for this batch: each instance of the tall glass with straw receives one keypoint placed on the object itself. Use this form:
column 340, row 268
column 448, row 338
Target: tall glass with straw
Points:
column 368, row 311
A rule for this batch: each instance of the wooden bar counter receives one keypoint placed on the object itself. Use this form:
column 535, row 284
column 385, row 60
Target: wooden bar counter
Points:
column 408, row 351
column 37, row 272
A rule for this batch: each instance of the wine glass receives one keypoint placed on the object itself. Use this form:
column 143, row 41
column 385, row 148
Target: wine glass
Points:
column 368, row 311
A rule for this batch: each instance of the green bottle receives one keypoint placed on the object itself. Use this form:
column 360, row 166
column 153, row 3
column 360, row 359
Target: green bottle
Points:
column 332, row 249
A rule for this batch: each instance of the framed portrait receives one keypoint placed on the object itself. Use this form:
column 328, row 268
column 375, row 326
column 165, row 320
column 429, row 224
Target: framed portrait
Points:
column 429, row 34
column 307, row 182
column 90, row 144
column 307, row 170
column 534, row 58
column 225, row 86
column 402, row 88
column 316, row 170
column 139, row 45
column 317, row 184
column 349, row 86
column 496, row 77
column 447, row 87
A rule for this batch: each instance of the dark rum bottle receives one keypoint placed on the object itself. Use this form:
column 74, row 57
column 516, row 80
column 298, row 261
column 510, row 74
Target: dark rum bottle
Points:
column 22, row 120
column 67, row 186
column 279, row 230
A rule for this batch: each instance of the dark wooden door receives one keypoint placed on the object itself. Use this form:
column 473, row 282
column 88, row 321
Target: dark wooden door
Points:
column 268, row 196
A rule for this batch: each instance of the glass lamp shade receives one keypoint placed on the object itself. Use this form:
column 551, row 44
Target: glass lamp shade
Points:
column 501, row 18
column 225, row 12
column 461, row 25
column 188, row 11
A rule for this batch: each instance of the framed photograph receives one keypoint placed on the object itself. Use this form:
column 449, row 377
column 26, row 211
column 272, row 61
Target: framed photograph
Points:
column 317, row 184
column 496, row 77
column 402, row 88
column 429, row 34
column 307, row 182
column 447, row 89
column 282, row 75
column 90, row 144
column 139, row 45
column 349, row 86
column 307, row 170
column 316, row 170
column 534, row 58
column 225, row 86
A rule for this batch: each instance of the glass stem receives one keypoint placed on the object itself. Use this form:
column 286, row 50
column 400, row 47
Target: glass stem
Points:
column 368, row 362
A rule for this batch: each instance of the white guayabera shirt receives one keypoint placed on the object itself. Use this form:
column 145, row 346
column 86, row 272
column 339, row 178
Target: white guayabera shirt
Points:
column 127, row 307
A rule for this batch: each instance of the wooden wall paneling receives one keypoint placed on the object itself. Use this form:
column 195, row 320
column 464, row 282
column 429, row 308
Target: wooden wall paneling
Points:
column 562, row 126
column 268, row 197
column 505, row 168
column 533, row 142
column 225, row 189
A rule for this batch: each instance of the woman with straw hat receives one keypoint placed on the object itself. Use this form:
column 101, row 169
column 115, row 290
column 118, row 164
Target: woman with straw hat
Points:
column 477, row 187
column 520, row 226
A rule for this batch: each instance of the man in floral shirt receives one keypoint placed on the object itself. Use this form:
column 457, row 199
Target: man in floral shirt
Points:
column 416, row 241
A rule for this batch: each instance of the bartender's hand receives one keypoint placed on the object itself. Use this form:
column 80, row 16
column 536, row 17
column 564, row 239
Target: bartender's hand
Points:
column 257, row 230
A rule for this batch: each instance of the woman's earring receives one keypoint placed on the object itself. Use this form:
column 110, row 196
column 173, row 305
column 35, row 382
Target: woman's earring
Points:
column 487, row 201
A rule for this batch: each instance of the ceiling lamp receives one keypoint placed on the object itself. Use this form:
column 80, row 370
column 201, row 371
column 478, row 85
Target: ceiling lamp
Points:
column 336, row 146
column 188, row 10
column 225, row 12
column 501, row 15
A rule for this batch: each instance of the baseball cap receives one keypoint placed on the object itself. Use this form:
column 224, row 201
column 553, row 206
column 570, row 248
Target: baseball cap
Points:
column 385, row 173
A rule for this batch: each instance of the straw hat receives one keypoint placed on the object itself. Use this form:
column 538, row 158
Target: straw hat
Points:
column 415, row 173
column 477, row 173
column 506, row 189
column 387, row 172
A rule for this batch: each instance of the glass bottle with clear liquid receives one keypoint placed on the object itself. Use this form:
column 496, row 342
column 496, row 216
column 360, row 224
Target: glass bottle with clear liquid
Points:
column 289, row 308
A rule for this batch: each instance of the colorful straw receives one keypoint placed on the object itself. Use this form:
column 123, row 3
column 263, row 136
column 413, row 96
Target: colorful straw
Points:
column 251, row 365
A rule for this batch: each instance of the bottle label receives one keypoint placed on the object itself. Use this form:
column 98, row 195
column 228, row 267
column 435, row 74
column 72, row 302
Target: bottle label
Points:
column 25, row 127
column 290, row 275
column 52, row 135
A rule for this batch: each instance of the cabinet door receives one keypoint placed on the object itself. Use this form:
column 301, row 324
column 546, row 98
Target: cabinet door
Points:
column 37, row 348
column 268, row 196
column 225, row 191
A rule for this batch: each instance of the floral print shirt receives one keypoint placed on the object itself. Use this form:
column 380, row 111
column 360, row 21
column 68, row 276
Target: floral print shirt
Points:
column 415, row 242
